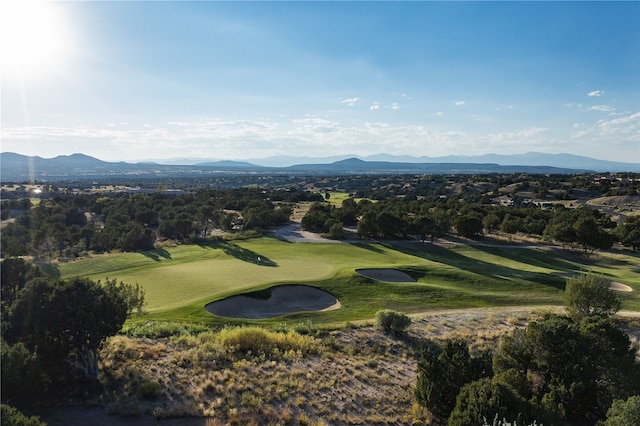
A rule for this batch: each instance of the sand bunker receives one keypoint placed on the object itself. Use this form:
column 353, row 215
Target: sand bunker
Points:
column 613, row 285
column 274, row 302
column 389, row 275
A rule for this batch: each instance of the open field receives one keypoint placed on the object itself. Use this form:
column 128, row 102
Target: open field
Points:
column 179, row 281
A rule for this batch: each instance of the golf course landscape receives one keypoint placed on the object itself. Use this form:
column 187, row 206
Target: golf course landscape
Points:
column 179, row 281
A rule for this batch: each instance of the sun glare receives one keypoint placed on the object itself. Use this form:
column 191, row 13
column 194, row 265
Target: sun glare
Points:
column 32, row 35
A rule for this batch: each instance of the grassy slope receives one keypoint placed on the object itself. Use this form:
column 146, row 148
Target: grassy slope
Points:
column 179, row 281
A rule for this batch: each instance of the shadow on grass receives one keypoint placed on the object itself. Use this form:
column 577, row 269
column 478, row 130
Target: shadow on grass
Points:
column 241, row 253
column 369, row 246
column 491, row 270
column 156, row 254
column 52, row 270
column 534, row 257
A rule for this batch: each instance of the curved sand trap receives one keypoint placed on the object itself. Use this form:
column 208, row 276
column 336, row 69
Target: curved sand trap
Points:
column 389, row 275
column 274, row 302
column 613, row 285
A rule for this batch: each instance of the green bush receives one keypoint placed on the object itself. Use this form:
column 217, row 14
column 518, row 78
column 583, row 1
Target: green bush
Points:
column 392, row 321
column 10, row 416
column 442, row 375
column 589, row 295
column 623, row 413
column 149, row 390
column 480, row 399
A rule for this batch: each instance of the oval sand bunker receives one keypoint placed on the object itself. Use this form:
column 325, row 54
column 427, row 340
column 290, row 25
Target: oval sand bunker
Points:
column 613, row 285
column 389, row 275
column 278, row 301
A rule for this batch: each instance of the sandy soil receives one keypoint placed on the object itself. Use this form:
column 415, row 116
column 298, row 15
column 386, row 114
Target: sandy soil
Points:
column 294, row 234
column 614, row 285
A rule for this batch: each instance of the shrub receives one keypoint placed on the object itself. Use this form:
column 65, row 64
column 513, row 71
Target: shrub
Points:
column 589, row 295
column 392, row 321
column 257, row 341
column 480, row 399
column 149, row 390
column 20, row 370
column 12, row 417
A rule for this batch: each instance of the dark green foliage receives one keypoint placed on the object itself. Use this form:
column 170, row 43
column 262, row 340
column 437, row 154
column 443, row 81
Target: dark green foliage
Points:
column 583, row 226
column 589, row 295
column 10, row 416
column 441, row 376
column 316, row 219
column 131, row 294
column 468, row 224
column 484, row 399
column 624, row 413
column 55, row 324
column 392, row 321
column 135, row 237
column 629, row 232
column 336, row 231
column 571, row 370
column 20, row 371
column 15, row 273
column 149, row 390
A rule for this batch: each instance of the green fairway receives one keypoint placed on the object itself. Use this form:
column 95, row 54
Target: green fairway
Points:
column 179, row 281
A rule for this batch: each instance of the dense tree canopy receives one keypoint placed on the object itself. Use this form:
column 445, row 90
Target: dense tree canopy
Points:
column 53, row 327
column 559, row 370
column 442, row 375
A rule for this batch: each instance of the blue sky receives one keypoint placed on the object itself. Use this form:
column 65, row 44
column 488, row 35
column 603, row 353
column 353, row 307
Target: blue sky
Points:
column 244, row 80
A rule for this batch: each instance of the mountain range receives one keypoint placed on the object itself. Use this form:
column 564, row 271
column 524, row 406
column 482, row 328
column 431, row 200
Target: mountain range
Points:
column 16, row 167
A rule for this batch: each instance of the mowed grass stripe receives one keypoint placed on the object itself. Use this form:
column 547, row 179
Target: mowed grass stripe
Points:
column 178, row 281
column 191, row 273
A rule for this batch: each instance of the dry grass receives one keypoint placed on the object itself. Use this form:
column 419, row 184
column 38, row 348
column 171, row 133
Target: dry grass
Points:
column 352, row 375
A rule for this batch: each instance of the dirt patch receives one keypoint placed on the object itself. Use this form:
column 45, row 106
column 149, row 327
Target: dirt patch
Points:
column 389, row 275
column 274, row 302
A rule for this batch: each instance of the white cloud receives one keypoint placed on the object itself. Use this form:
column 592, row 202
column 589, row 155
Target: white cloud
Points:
column 604, row 108
column 597, row 93
column 374, row 106
column 377, row 125
column 459, row 103
column 395, row 106
column 621, row 135
column 350, row 101
column 629, row 124
column 481, row 118
column 615, row 137
column 525, row 135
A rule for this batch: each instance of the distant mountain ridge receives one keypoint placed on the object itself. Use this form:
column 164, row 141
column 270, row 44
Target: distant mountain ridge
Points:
column 528, row 159
column 16, row 167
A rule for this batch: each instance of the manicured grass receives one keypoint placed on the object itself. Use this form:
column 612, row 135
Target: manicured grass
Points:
column 179, row 281
column 337, row 198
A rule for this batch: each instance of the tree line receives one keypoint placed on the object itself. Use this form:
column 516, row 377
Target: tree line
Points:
column 70, row 226
column 398, row 218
